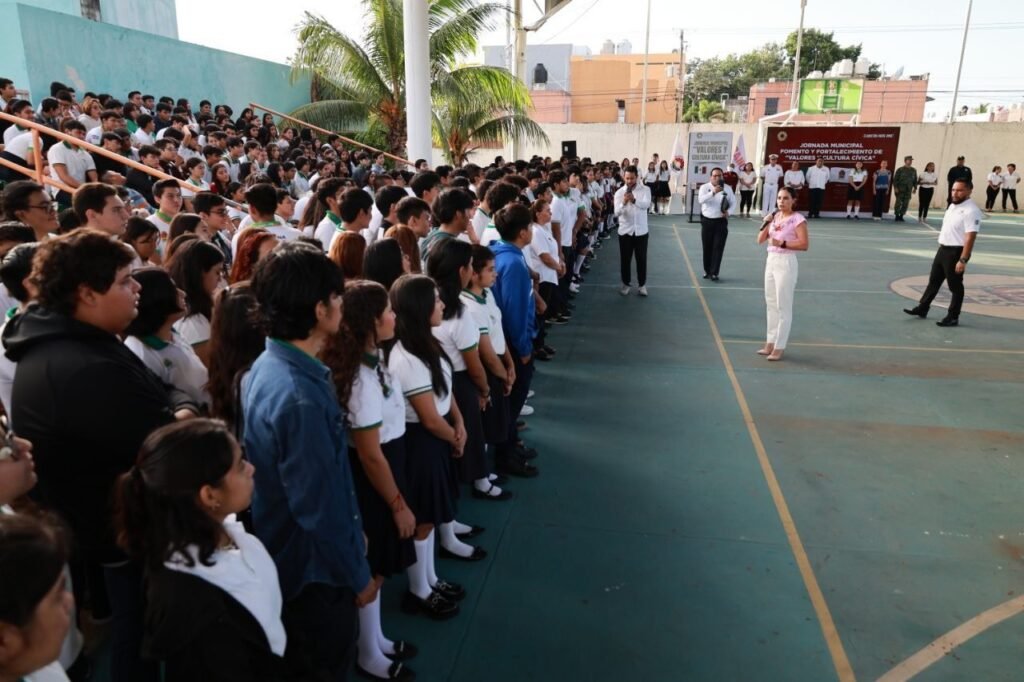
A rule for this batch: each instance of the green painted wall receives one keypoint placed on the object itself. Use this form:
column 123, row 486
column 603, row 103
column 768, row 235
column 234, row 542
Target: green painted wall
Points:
column 105, row 58
column 12, row 53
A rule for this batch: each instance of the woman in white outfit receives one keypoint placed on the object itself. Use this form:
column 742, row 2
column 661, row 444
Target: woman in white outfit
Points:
column 785, row 232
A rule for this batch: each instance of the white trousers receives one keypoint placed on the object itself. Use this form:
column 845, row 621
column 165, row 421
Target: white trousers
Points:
column 770, row 193
column 780, row 273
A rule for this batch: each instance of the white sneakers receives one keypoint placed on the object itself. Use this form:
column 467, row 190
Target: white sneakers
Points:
column 642, row 291
column 624, row 290
column 526, row 411
column 574, row 288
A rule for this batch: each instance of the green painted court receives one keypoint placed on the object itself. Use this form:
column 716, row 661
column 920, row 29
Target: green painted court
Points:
column 703, row 514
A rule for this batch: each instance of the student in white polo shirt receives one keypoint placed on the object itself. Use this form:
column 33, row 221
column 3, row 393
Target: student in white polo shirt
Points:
column 959, row 231
column 71, row 164
column 353, row 211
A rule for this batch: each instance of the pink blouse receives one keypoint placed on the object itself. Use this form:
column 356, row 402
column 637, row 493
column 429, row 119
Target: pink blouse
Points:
column 783, row 229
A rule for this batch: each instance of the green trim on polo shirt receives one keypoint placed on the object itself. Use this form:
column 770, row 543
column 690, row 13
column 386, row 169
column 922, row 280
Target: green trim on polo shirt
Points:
column 11, row 313
column 164, row 217
column 366, row 428
column 370, row 360
column 478, row 299
column 412, row 393
column 335, row 219
column 469, row 348
column 263, row 224
column 154, row 342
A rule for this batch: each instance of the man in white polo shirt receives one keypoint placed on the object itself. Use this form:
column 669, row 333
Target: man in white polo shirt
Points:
column 959, row 231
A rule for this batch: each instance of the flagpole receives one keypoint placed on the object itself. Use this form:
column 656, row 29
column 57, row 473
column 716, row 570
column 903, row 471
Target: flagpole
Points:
column 643, row 97
column 796, row 63
column 960, row 67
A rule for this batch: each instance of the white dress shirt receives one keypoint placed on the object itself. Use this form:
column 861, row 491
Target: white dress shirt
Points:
column 633, row 216
column 711, row 203
column 771, row 174
column 794, row 178
column 817, row 177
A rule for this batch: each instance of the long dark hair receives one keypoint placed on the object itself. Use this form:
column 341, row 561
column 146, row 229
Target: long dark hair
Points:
column 157, row 513
column 188, row 266
column 362, row 304
column 236, row 340
column 158, row 300
column 443, row 266
column 382, row 261
column 33, row 553
column 412, row 298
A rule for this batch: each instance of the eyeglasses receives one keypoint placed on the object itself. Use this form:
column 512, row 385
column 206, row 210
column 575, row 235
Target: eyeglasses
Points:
column 219, row 211
column 49, row 207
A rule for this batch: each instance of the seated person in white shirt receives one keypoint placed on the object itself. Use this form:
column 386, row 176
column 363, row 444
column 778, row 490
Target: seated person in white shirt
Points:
column 354, row 211
column 262, row 199
column 146, row 131
column 214, row 600
column 110, row 120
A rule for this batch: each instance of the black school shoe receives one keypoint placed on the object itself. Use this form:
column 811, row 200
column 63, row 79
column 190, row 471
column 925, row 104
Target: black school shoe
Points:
column 519, row 467
column 916, row 311
column 948, row 322
column 453, row 592
column 435, row 607
column 396, row 671
column 479, row 554
column 403, row 651
column 476, row 530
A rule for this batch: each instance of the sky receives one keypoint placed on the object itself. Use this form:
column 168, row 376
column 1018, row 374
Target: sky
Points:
column 921, row 36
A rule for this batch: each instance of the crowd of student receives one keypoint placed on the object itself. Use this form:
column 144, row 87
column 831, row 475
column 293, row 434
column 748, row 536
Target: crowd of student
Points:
column 240, row 409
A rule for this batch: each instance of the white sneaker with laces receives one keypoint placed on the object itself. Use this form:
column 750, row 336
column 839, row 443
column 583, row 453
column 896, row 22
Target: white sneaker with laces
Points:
column 530, row 394
column 624, row 290
column 642, row 291
column 526, row 411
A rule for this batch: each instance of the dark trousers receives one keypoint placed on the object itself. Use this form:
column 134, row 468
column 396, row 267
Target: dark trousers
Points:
column 944, row 270
column 924, row 199
column 817, row 197
column 990, row 197
column 128, row 606
column 879, row 206
column 516, row 400
column 569, row 256
column 746, row 200
column 1010, row 194
column 628, row 246
column 322, row 624
column 713, row 233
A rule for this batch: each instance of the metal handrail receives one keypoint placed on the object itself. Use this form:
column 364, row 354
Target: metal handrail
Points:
column 328, row 132
column 38, row 129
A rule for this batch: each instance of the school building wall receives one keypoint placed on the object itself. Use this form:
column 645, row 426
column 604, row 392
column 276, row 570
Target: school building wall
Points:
column 38, row 46
column 983, row 144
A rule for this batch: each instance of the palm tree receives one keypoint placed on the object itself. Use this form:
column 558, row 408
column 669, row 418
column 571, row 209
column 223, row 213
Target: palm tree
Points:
column 359, row 83
column 705, row 111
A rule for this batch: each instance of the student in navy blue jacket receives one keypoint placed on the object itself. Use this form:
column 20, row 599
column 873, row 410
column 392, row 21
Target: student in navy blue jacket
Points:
column 513, row 292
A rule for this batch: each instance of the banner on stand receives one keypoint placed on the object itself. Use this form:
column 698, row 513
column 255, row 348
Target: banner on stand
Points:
column 840, row 148
column 707, row 150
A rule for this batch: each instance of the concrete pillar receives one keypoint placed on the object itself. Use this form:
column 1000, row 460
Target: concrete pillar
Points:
column 417, row 79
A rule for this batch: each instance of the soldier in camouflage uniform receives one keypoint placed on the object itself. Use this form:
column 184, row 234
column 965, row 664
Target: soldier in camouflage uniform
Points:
column 904, row 183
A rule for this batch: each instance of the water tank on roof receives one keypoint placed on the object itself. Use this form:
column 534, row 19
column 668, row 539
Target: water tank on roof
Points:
column 624, row 47
column 540, row 75
column 862, row 67
column 608, row 47
column 843, row 68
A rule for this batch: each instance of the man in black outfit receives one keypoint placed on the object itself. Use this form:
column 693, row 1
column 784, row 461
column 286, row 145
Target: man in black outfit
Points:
column 86, row 403
column 957, row 172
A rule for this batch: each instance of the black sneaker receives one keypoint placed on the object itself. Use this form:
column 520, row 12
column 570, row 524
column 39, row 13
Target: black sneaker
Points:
column 435, row 606
column 917, row 311
column 948, row 322
column 549, row 350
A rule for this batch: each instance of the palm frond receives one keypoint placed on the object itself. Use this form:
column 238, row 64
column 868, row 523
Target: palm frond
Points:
column 326, row 51
column 482, row 86
column 504, row 128
column 334, row 115
column 455, row 25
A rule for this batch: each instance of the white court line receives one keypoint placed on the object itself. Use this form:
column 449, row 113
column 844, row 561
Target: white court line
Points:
column 714, row 287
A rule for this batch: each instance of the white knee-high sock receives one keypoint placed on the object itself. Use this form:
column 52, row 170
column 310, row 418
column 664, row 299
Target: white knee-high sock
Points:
column 371, row 658
column 431, row 556
column 417, row 573
column 461, row 527
column 386, row 645
column 452, row 543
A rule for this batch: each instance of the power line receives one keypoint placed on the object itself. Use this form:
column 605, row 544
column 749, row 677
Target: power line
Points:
column 569, row 25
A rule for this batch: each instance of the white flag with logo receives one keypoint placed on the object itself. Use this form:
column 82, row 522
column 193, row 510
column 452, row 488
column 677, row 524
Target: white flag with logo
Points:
column 739, row 155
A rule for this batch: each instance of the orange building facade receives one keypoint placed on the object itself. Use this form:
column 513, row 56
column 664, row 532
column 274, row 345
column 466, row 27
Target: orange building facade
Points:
column 599, row 83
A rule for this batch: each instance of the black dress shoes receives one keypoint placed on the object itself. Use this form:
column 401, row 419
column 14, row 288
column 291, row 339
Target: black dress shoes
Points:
column 403, row 651
column 948, row 322
column 714, row 278
column 435, row 606
column 396, row 671
column 451, row 591
column 916, row 311
column 518, row 467
column 479, row 553
column 476, row 530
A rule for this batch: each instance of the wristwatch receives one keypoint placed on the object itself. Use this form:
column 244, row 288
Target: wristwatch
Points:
column 964, row 261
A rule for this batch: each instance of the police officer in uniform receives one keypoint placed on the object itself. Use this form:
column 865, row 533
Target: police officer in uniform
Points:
column 770, row 176
column 959, row 231
column 904, row 183
column 957, row 172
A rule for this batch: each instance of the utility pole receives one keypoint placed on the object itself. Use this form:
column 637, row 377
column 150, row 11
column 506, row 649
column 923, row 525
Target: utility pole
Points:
column 960, row 67
column 518, row 60
column 680, row 107
column 643, row 96
column 796, row 65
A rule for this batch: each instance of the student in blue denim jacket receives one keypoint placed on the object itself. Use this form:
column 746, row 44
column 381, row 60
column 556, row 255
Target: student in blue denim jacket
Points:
column 304, row 504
